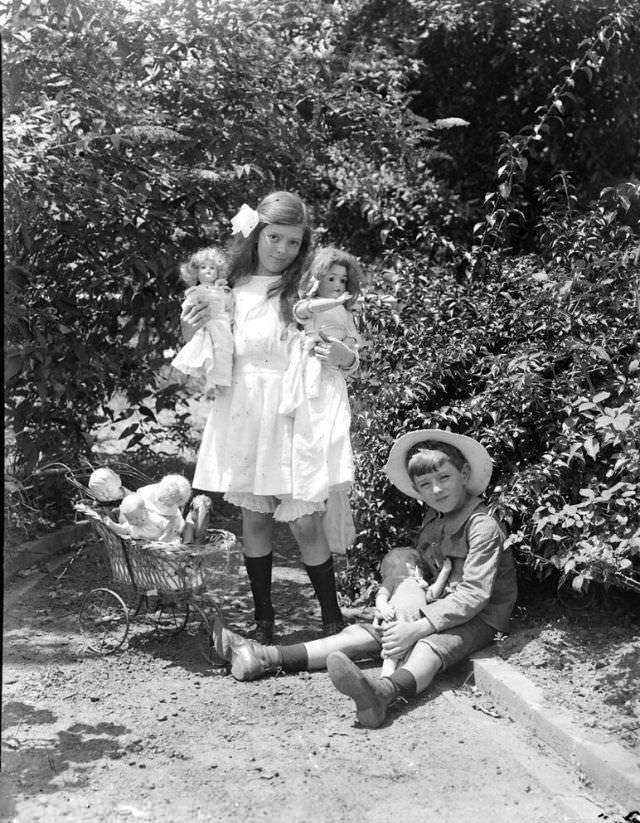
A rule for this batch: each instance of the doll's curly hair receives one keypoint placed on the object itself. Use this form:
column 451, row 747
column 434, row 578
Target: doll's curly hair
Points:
column 189, row 271
column 320, row 266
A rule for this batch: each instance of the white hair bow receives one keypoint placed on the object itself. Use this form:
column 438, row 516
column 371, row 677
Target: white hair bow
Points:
column 245, row 220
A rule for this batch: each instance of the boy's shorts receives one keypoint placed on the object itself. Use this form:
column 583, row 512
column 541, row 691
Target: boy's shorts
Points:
column 454, row 645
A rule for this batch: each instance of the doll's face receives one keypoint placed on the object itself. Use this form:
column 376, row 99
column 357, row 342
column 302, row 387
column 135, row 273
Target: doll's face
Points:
column 208, row 271
column 334, row 282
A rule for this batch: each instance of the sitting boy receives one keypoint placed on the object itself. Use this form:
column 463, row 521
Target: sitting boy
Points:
column 448, row 472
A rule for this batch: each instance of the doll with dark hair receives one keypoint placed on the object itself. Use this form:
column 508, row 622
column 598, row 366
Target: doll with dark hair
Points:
column 329, row 290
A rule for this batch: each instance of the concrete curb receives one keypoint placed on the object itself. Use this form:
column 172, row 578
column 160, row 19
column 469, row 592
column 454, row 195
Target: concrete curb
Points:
column 39, row 551
column 610, row 768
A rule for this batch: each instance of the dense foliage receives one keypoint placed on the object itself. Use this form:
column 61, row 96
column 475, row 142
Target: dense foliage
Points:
column 482, row 159
column 538, row 361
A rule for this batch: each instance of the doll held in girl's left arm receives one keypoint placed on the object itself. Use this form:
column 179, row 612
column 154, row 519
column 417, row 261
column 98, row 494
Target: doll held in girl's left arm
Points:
column 330, row 288
column 209, row 353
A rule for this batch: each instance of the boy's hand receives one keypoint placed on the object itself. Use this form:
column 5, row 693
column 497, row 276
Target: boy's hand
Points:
column 399, row 636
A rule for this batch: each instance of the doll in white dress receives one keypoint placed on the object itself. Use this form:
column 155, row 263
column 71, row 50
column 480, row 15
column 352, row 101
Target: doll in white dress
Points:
column 209, row 353
column 164, row 502
column 154, row 512
column 330, row 288
column 137, row 521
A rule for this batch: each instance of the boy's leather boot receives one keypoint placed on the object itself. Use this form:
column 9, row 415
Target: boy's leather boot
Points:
column 372, row 697
column 249, row 660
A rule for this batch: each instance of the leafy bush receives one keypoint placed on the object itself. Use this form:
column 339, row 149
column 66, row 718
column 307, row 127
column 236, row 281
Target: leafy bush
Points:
column 131, row 136
column 499, row 64
column 539, row 361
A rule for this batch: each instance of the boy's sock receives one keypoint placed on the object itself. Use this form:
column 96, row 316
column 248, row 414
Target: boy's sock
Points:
column 404, row 683
column 294, row 658
column 259, row 573
column 323, row 581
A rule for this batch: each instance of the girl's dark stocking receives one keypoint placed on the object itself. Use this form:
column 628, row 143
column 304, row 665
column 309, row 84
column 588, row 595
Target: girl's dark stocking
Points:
column 324, row 584
column 259, row 573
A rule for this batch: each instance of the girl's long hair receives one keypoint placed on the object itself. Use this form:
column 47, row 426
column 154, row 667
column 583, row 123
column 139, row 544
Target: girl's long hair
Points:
column 287, row 209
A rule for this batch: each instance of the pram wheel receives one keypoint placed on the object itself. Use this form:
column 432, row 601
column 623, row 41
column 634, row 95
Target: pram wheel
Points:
column 104, row 621
column 170, row 617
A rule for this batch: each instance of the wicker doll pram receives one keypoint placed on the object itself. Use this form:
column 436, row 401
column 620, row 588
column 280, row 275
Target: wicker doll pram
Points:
column 165, row 582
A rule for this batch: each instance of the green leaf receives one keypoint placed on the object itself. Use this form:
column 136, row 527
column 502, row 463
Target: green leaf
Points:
column 622, row 422
column 601, row 396
column 592, row 447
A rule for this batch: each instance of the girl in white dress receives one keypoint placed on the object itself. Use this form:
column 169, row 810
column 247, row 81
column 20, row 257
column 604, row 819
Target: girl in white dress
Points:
column 209, row 353
column 247, row 448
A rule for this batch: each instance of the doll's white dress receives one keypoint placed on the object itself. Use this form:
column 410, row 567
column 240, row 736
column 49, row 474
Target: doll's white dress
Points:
column 304, row 373
column 248, row 446
column 209, row 353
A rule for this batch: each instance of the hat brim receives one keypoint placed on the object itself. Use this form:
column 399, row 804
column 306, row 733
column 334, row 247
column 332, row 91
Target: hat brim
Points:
column 474, row 453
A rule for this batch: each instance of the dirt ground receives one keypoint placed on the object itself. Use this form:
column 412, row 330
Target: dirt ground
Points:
column 154, row 732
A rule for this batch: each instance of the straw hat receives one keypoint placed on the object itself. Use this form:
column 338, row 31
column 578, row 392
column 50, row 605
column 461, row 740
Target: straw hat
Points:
column 475, row 454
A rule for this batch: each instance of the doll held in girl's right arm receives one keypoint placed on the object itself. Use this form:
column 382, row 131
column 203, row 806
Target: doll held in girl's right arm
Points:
column 208, row 353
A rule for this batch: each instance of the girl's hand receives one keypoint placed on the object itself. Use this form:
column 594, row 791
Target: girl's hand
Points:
column 398, row 637
column 194, row 317
column 334, row 353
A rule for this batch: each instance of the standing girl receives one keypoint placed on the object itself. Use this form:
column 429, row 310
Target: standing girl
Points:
column 247, row 448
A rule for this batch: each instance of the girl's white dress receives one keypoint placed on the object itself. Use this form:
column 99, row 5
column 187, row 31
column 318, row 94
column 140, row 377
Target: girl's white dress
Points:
column 249, row 447
column 209, row 353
